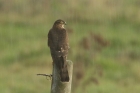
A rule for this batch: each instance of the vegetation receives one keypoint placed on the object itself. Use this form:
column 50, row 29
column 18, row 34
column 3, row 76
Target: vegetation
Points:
column 104, row 44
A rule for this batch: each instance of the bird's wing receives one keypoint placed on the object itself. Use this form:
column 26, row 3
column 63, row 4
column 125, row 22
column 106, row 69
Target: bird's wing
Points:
column 50, row 38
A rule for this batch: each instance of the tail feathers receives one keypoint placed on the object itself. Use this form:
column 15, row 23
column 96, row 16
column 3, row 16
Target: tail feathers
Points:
column 64, row 74
column 63, row 69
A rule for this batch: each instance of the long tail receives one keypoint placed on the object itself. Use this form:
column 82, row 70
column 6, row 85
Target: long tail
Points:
column 63, row 70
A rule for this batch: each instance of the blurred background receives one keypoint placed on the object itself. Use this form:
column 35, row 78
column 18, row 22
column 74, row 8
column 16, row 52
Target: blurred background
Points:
column 104, row 38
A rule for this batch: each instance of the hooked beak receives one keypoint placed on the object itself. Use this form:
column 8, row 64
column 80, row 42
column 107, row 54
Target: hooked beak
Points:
column 65, row 23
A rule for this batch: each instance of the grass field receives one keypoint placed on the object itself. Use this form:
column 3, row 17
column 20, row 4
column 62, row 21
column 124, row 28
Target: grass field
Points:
column 104, row 45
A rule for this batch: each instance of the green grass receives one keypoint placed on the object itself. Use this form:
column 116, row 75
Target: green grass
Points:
column 97, row 69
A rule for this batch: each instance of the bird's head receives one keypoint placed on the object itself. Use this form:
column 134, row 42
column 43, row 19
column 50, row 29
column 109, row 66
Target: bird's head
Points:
column 59, row 24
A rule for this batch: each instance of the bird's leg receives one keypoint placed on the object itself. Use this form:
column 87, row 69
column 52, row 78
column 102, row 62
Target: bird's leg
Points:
column 62, row 50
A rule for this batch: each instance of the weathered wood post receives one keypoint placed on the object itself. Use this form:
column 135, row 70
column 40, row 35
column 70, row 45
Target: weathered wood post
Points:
column 57, row 85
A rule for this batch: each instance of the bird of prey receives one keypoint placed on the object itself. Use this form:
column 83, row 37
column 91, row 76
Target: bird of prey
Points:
column 58, row 43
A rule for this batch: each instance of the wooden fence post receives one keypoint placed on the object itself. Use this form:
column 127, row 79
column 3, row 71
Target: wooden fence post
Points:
column 58, row 86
